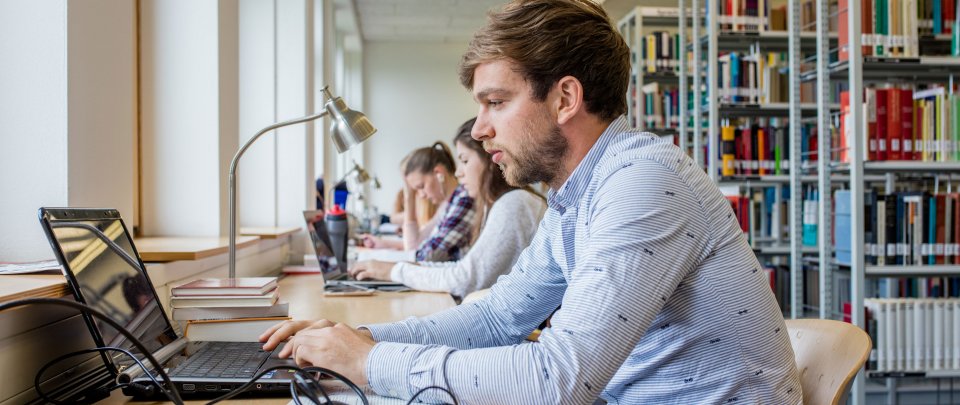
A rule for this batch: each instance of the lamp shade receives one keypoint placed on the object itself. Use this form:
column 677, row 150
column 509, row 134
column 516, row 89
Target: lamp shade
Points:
column 349, row 127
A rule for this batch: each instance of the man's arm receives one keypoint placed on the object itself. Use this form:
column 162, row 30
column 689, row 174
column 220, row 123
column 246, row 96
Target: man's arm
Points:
column 646, row 233
column 506, row 316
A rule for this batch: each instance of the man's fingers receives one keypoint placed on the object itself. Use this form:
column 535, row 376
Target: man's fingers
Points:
column 266, row 335
column 281, row 333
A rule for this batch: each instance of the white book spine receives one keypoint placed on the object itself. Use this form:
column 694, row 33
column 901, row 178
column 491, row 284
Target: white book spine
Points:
column 947, row 334
column 928, row 348
column 881, row 343
column 901, row 334
column 938, row 335
column 956, row 333
column 919, row 355
column 910, row 353
column 890, row 334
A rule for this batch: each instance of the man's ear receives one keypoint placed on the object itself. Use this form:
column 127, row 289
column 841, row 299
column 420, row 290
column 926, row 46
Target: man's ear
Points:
column 570, row 100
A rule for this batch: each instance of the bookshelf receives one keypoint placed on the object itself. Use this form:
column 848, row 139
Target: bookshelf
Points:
column 927, row 67
column 913, row 65
column 767, row 31
column 658, row 76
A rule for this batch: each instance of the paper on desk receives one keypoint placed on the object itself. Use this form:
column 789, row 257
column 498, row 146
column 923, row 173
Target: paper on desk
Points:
column 30, row 267
column 341, row 393
column 387, row 255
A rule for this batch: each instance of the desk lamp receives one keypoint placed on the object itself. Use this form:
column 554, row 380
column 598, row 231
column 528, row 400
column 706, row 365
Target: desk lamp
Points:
column 349, row 128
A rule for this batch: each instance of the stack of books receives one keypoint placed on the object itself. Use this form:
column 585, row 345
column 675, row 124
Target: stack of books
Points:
column 237, row 309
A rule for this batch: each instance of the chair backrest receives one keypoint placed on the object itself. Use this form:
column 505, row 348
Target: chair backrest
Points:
column 829, row 353
column 475, row 296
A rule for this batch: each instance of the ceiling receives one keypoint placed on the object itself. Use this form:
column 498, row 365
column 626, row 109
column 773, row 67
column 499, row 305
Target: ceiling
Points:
column 451, row 21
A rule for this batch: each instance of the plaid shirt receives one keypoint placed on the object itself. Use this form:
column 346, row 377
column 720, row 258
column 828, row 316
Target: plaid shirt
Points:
column 451, row 237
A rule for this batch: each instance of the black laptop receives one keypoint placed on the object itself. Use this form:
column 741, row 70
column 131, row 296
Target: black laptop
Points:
column 334, row 266
column 104, row 270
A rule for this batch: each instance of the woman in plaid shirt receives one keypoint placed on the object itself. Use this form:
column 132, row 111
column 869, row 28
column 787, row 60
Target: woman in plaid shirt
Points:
column 429, row 173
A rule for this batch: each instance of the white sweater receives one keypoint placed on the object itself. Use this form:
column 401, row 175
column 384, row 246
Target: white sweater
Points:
column 511, row 223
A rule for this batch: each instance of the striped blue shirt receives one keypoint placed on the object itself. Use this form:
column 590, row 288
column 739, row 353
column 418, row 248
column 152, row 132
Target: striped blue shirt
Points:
column 661, row 301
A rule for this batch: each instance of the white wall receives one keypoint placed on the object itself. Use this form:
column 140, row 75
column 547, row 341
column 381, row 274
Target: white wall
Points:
column 180, row 117
column 257, row 171
column 414, row 98
column 67, row 138
column 33, row 110
column 102, row 103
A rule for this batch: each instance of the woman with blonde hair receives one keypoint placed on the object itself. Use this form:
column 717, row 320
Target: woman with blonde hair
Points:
column 429, row 174
column 508, row 218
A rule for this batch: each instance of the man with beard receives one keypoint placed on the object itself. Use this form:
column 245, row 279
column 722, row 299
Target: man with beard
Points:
column 661, row 299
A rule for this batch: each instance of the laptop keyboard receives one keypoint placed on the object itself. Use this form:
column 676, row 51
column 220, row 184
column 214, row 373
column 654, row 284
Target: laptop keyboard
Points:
column 223, row 360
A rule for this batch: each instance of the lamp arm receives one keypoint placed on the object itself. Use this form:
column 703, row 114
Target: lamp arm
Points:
column 345, row 176
column 232, row 198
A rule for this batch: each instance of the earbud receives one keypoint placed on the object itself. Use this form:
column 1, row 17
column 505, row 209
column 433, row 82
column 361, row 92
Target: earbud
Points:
column 440, row 177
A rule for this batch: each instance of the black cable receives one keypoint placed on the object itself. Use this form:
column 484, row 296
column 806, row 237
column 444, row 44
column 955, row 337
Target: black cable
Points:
column 305, row 370
column 309, row 387
column 345, row 380
column 433, row 387
column 172, row 392
column 43, row 395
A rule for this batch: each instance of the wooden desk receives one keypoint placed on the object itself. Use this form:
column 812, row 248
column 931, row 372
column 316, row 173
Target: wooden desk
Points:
column 168, row 249
column 14, row 287
column 268, row 232
column 304, row 293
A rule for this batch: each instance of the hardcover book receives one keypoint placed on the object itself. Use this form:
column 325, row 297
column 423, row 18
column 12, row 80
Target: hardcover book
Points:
column 226, row 286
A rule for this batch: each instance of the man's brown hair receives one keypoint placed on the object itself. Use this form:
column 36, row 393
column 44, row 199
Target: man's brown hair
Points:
column 550, row 39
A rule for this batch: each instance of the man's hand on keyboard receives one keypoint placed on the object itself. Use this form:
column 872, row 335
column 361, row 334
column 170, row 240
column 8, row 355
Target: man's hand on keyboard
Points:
column 339, row 347
column 284, row 330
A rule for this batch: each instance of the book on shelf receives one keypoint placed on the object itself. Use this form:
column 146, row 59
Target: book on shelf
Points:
column 904, row 228
column 660, row 52
column 913, row 334
column 219, row 301
column 757, row 78
column 225, row 286
column 906, row 123
column 761, row 218
column 758, row 147
column 742, row 15
column 893, row 28
column 230, row 330
column 197, row 313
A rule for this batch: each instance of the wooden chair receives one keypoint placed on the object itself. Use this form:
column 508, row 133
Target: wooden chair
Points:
column 475, row 296
column 829, row 354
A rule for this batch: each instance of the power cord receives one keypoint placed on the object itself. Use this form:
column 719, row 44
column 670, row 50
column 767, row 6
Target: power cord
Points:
column 302, row 383
column 146, row 389
column 172, row 393
column 309, row 387
column 433, row 387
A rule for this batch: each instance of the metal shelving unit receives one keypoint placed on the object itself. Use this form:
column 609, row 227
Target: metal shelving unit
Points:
column 767, row 109
column 925, row 69
column 792, row 41
column 853, row 174
column 632, row 28
column 856, row 71
column 911, row 271
column 775, row 41
column 772, row 180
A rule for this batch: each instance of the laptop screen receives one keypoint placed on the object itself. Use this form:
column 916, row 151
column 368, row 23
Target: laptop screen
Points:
column 105, row 272
column 322, row 245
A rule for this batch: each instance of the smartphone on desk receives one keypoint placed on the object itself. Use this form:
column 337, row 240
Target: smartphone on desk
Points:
column 346, row 290
column 394, row 288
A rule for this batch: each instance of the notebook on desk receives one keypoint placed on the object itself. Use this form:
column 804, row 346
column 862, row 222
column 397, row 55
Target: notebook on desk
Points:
column 102, row 267
column 333, row 271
